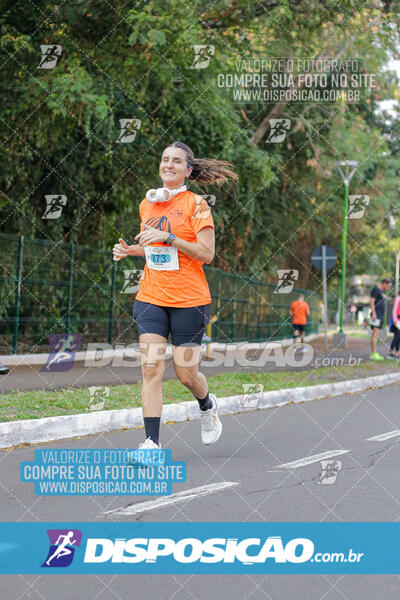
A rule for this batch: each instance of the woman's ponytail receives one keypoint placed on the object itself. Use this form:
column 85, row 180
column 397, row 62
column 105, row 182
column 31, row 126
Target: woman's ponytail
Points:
column 207, row 170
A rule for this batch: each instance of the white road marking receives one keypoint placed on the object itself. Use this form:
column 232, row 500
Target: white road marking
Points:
column 384, row 436
column 166, row 501
column 301, row 462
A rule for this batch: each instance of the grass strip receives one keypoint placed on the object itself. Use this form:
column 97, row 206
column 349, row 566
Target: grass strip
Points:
column 36, row 404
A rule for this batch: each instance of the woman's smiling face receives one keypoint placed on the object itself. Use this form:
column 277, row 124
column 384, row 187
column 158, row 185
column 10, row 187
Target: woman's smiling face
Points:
column 173, row 167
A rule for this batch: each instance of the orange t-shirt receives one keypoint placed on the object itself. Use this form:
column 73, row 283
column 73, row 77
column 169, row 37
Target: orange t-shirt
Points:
column 183, row 215
column 299, row 309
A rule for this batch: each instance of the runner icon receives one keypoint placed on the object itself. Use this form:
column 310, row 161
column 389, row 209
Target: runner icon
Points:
column 62, row 549
column 63, row 349
column 288, row 279
column 50, row 55
column 357, row 206
column 278, row 129
column 55, row 205
column 131, row 284
column 203, row 56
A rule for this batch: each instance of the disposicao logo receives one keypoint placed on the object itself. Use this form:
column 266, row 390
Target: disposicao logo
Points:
column 190, row 550
column 62, row 547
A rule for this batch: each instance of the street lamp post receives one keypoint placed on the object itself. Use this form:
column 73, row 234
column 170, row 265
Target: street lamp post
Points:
column 346, row 168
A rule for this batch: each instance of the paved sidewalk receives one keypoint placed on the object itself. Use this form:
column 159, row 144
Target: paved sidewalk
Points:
column 31, row 377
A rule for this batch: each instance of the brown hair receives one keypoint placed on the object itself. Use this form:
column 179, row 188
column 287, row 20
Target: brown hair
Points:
column 207, row 170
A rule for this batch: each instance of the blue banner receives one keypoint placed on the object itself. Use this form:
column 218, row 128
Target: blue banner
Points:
column 199, row 548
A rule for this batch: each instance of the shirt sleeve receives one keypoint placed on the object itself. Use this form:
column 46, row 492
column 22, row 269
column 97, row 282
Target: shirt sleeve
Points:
column 374, row 293
column 141, row 214
column 200, row 214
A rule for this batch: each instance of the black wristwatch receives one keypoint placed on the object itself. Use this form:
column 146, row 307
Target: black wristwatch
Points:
column 170, row 239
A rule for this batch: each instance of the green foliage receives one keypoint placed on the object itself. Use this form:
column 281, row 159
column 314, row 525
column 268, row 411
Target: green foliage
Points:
column 60, row 126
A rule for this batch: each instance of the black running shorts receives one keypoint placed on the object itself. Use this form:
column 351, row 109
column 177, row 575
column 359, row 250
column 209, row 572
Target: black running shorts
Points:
column 299, row 328
column 380, row 326
column 186, row 325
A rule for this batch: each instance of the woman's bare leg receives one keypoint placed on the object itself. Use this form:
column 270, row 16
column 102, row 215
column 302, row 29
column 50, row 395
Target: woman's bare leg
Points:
column 186, row 365
column 152, row 347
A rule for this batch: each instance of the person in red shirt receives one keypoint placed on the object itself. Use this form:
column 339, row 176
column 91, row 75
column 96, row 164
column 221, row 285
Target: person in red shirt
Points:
column 299, row 310
column 176, row 237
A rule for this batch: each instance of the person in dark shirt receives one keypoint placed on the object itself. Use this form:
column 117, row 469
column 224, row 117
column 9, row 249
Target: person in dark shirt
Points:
column 378, row 314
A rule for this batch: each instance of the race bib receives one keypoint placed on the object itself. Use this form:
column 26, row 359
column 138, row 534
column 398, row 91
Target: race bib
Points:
column 162, row 258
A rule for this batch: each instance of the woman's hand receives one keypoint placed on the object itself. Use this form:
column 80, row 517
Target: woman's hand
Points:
column 151, row 236
column 121, row 250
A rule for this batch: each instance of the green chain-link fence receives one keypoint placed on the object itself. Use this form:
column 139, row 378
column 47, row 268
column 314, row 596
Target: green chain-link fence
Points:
column 49, row 287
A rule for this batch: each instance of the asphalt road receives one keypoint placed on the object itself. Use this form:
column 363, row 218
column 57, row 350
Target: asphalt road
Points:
column 250, row 452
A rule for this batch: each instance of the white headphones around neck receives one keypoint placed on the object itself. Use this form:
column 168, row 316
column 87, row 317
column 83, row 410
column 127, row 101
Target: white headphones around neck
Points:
column 163, row 194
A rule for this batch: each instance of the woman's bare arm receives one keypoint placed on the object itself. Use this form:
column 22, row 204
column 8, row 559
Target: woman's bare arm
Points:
column 123, row 249
column 203, row 249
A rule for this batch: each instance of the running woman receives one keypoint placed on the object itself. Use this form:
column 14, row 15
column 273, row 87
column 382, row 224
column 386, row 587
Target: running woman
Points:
column 177, row 237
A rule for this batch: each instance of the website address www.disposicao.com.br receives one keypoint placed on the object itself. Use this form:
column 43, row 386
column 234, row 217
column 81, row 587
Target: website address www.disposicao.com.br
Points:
column 92, row 488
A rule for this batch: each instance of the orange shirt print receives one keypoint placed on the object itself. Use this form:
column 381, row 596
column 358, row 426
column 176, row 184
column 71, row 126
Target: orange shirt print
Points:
column 183, row 215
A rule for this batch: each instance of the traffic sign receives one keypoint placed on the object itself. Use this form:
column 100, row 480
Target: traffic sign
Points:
column 320, row 253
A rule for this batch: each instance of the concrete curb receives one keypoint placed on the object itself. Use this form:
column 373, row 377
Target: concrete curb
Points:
column 49, row 429
column 132, row 351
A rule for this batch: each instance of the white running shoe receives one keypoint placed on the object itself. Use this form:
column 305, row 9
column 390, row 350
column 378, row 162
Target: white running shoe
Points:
column 211, row 426
column 148, row 456
column 149, row 445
